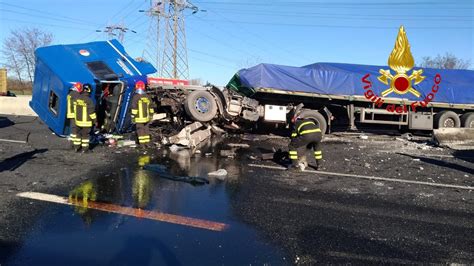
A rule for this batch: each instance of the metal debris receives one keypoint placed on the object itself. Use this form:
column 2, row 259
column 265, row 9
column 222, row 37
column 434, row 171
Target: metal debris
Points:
column 190, row 136
column 238, row 145
column 220, row 174
column 228, row 153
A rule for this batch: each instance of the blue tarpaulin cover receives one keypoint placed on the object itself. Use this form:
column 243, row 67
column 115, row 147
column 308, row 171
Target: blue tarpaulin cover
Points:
column 456, row 87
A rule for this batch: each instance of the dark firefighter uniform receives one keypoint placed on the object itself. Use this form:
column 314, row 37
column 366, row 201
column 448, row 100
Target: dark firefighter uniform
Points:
column 306, row 136
column 71, row 98
column 85, row 116
column 142, row 112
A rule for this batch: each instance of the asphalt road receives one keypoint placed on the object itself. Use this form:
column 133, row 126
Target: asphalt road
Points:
column 272, row 216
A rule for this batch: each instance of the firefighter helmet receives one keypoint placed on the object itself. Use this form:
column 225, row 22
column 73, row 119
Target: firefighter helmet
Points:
column 77, row 86
column 87, row 88
column 140, row 85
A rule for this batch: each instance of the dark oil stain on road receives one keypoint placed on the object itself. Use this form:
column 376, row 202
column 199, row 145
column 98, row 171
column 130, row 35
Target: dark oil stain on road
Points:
column 77, row 235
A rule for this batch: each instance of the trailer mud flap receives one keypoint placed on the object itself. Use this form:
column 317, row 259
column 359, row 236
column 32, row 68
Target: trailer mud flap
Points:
column 455, row 138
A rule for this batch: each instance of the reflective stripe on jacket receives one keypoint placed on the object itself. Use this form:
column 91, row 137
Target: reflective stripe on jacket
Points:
column 142, row 111
column 84, row 111
column 303, row 127
column 71, row 97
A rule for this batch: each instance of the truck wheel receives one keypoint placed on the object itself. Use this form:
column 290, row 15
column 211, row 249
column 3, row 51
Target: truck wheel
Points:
column 200, row 106
column 446, row 119
column 467, row 120
column 317, row 117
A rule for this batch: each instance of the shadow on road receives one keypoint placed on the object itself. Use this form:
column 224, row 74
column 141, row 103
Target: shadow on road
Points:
column 6, row 249
column 5, row 122
column 466, row 155
column 12, row 163
column 441, row 163
column 340, row 246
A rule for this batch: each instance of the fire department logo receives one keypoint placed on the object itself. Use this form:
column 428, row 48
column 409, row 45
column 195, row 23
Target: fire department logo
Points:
column 401, row 61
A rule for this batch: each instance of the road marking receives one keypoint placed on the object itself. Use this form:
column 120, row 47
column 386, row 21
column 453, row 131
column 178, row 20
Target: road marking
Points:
column 370, row 177
column 13, row 141
column 113, row 208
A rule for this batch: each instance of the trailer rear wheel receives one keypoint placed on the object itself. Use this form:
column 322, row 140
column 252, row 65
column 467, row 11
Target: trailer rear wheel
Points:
column 467, row 120
column 317, row 117
column 200, row 106
column 446, row 119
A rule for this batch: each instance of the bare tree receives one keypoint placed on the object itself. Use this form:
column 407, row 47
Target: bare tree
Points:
column 19, row 51
column 447, row 61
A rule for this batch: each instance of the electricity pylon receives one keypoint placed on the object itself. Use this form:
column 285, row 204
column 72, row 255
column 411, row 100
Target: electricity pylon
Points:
column 167, row 37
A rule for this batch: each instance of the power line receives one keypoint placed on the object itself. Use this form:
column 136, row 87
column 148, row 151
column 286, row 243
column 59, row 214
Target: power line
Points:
column 302, row 13
column 45, row 24
column 352, row 5
column 42, row 16
column 347, row 16
column 115, row 19
column 338, row 26
column 50, row 13
column 227, row 32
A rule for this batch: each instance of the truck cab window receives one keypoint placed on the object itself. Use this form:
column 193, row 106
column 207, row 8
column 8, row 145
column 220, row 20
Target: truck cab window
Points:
column 100, row 70
column 53, row 103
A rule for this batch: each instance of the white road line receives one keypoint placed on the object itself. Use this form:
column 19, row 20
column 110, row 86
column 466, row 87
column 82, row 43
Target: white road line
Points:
column 12, row 141
column 371, row 177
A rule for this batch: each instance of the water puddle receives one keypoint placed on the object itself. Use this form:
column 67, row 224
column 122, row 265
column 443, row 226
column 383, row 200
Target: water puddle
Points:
column 85, row 234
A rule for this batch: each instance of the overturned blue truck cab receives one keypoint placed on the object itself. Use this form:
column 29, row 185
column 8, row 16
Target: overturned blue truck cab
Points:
column 103, row 64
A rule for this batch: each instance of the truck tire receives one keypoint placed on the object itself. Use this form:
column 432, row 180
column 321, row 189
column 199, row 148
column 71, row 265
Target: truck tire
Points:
column 317, row 117
column 201, row 106
column 446, row 119
column 467, row 120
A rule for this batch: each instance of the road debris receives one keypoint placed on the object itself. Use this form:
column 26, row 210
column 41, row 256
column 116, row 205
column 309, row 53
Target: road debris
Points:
column 407, row 136
column 268, row 156
column 175, row 148
column 163, row 173
column 454, row 138
column 238, row 145
column 190, row 136
column 220, row 174
column 228, row 153
column 364, row 137
column 126, row 143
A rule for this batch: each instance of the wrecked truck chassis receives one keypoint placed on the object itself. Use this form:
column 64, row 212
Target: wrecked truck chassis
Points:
column 223, row 107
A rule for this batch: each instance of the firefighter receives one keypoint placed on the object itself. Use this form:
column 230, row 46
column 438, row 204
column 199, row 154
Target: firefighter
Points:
column 85, row 117
column 142, row 113
column 306, row 136
column 71, row 97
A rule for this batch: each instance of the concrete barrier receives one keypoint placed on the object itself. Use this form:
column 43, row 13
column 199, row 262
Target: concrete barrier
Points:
column 19, row 105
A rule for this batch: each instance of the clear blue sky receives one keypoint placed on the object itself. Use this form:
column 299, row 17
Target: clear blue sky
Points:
column 232, row 34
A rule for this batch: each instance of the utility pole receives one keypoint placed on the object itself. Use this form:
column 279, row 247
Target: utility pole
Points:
column 172, row 60
column 116, row 31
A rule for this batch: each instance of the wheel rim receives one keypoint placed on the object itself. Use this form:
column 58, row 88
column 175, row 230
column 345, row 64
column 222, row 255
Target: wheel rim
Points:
column 202, row 105
column 471, row 125
column 449, row 122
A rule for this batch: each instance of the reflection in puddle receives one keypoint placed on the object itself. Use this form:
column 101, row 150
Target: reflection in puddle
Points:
column 123, row 233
